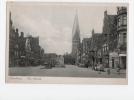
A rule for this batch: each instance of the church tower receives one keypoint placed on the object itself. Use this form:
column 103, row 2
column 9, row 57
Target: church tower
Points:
column 75, row 37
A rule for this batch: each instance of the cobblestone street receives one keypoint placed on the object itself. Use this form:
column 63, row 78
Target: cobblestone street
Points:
column 68, row 71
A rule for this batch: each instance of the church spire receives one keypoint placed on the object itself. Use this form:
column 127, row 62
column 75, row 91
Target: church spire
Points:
column 76, row 30
column 75, row 37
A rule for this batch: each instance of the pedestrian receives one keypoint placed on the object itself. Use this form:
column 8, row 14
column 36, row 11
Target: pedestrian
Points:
column 118, row 69
column 99, row 68
column 108, row 71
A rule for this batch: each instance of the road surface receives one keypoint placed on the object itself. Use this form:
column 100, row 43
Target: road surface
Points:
column 67, row 71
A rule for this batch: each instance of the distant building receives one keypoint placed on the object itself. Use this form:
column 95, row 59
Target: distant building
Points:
column 35, row 47
column 28, row 51
column 22, row 50
column 76, row 39
column 122, row 35
column 33, row 50
column 50, row 59
column 68, row 59
column 59, row 61
column 86, row 42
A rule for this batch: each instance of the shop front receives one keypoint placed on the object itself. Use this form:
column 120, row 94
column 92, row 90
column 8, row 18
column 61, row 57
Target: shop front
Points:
column 113, row 60
column 122, row 61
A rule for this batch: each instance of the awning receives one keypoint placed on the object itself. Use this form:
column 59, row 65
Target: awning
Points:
column 113, row 54
column 122, row 55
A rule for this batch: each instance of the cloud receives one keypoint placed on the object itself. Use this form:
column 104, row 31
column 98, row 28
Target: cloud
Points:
column 53, row 24
column 53, row 38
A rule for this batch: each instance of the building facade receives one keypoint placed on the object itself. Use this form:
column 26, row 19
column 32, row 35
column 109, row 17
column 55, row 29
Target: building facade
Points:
column 122, row 35
column 86, row 44
column 23, row 51
column 110, row 46
column 110, row 39
column 60, row 61
column 50, row 59
column 96, row 45
column 13, row 44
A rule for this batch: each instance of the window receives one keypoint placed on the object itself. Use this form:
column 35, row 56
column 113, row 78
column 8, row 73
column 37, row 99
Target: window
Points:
column 119, row 22
column 124, row 20
column 107, row 48
column 124, row 37
column 119, row 38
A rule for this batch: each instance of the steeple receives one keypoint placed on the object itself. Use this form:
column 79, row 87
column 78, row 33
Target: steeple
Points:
column 76, row 30
column 75, row 37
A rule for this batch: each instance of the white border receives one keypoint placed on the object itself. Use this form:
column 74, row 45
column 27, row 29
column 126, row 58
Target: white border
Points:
column 67, row 92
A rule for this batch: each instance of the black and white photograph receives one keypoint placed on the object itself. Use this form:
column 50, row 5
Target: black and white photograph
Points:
column 73, row 40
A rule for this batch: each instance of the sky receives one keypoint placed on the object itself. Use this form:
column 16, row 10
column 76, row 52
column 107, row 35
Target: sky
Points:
column 53, row 22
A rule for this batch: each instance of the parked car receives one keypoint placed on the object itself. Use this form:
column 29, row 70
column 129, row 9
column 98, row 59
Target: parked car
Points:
column 47, row 65
column 81, row 65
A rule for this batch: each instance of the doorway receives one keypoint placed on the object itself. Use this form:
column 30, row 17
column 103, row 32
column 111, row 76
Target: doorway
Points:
column 112, row 63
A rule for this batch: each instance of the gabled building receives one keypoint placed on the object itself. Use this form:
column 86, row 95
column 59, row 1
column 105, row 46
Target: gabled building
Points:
column 110, row 38
column 109, row 26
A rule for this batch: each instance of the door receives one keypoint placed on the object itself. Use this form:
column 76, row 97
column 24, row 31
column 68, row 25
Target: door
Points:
column 124, row 62
column 112, row 63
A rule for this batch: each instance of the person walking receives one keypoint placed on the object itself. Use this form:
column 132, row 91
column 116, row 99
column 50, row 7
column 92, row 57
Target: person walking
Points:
column 118, row 69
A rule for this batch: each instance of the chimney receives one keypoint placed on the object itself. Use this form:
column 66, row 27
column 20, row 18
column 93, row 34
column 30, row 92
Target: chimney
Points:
column 92, row 32
column 22, row 34
column 105, row 13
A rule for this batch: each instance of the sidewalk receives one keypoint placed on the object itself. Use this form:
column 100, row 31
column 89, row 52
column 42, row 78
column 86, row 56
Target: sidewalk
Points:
column 114, row 71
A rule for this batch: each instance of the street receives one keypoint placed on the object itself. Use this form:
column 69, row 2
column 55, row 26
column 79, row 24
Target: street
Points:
column 68, row 71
